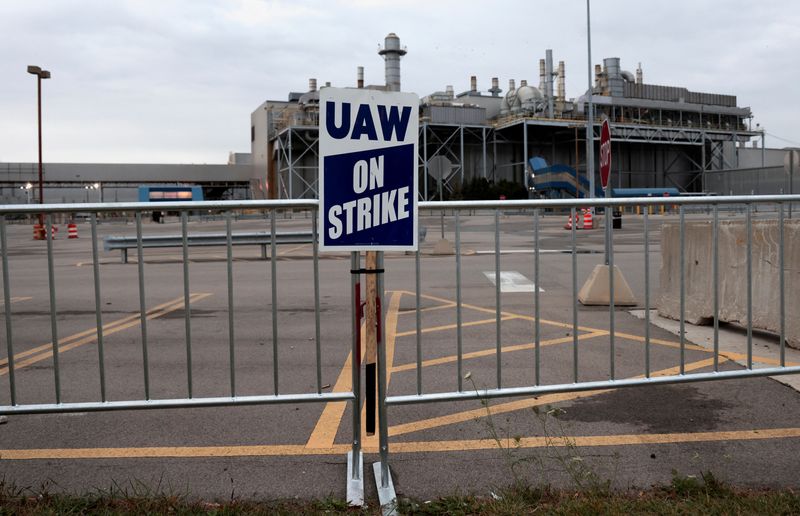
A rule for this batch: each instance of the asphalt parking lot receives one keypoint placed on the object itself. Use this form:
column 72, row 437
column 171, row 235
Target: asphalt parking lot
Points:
column 746, row 432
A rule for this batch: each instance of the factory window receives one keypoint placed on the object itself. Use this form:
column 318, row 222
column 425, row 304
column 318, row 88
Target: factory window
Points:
column 252, row 133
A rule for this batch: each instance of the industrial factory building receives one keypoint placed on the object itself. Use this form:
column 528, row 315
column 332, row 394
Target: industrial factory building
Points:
column 533, row 137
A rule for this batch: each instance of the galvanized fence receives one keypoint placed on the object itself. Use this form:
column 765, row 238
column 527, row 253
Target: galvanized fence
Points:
column 533, row 209
column 228, row 239
column 747, row 204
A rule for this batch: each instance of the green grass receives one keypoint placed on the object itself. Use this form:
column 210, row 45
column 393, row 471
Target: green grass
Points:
column 703, row 494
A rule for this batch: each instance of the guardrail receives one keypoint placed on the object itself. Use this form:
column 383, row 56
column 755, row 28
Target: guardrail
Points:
column 263, row 239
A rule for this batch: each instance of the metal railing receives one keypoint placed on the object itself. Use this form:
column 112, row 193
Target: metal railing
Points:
column 537, row 387
column 532, row 208
column 184, row 240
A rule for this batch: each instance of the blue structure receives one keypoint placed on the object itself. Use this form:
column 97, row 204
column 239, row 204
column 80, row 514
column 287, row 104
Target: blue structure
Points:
column 556, row 180
column 168, row 193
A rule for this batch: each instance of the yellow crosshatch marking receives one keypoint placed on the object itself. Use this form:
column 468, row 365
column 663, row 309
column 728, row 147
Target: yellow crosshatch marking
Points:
column 321, row 440
column 45, row 351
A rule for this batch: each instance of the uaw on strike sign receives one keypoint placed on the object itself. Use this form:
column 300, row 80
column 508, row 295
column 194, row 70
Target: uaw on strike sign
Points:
column 368, row 170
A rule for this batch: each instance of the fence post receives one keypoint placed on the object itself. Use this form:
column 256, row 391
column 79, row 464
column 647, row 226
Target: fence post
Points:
column 355, row 458
column 383, row 478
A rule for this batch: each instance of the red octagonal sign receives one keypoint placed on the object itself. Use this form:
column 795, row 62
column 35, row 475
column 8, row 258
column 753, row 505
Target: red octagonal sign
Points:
column 605, row 153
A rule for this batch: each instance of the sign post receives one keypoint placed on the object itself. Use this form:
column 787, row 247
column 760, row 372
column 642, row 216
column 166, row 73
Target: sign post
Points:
column 368, row 201
column 605, row 172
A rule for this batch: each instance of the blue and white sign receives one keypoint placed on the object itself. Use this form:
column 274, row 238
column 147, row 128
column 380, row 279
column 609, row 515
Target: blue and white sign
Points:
column 368, row 170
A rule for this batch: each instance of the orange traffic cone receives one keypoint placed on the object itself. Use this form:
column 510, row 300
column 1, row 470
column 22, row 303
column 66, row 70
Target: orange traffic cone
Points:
column 587, row 219
column 72, row 231
column 568, row 225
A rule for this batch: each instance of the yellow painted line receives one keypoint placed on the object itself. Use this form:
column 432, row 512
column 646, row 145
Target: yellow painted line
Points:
column 502, row 313
column 662, row 342
column 324, row 432
column 292, row 249
column 429, row 309
column 90, row 331
column 92, row 335
column 400, row 447
column 470, row 415
column 328, row 423
column 454, row 326
column 492, row 351
column 16, row 299
column 600, row 440
column 762, row 360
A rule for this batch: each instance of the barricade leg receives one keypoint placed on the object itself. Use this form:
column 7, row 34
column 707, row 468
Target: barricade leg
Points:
column 355, row 458
column 383, row 477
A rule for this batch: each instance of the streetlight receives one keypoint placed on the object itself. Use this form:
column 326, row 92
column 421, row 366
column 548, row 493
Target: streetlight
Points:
column 40, row 74
column 28, row 187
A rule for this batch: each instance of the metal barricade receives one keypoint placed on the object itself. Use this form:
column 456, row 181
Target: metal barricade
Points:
column 233, row 397
column 536, row 208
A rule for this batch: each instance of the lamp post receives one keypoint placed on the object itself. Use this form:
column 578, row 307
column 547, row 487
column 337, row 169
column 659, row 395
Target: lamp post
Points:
column 40, row 74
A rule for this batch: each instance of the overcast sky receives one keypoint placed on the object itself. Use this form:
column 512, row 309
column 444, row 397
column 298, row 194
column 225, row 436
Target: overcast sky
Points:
column 175, row 81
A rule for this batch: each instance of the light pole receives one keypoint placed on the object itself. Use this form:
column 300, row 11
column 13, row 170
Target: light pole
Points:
column 590, row 108
column 40, row 74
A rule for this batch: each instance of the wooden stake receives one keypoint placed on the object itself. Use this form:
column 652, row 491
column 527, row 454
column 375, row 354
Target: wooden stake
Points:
column 371, row 337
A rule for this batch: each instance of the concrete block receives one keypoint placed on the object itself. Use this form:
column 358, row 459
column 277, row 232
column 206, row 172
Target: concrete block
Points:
column 443, row 247
column 596, row 292
column 699, row 301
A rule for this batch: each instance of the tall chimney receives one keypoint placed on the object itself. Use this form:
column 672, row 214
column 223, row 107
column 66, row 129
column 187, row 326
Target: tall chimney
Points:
column 511, row 85
column 360, row 77
column 473, row 84
column 548, row 60
column 495, row 89
column 312, row 85
column 639, row 74
column 562, row 87
column 392, row 53
column 541, row 75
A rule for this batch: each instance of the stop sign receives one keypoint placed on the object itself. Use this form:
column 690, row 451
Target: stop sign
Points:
column 605, row 153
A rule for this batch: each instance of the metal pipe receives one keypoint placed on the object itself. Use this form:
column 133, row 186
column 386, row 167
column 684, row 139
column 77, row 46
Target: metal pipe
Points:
column 317, row 330
column 574, row 298
column 646, row 295
column 419, row 318
column 536, row 322
column 612, row 350
column 589, row 386
column 231, row 340
column 142, row 304
column 459, row 348
column 682, row 290
column 187, row 309
column 313, row 204
column 48, row 235
column 782, row 285
column 749, row 287
column 7, row 306
column 355, row 355
column 498, row 308
column 106, row 406
column 383, row 432
column 273, row 258
column 715, row 280
column 98, row 308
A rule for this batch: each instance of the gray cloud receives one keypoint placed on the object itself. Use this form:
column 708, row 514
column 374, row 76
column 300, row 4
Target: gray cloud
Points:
column 176, row 81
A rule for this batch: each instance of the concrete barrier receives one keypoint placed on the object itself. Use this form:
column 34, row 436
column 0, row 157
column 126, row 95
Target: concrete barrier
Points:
column 699, row 304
